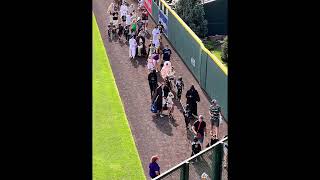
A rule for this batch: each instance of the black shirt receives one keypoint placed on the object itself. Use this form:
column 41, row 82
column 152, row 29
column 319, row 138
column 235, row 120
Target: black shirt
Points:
column 166, row 54
column 166, row 91
column 196, row 147
column 194, row 96
column 201, row 128
column 144, row 16
column 120, row 29
column 212, row 142
column 152, row 78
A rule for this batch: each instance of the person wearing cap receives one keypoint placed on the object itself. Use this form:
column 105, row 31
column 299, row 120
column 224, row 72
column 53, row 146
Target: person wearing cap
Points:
column 154, row 168
column 199, row 129
column 215, row 113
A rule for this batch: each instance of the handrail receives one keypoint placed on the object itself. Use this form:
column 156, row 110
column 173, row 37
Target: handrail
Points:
column 198, row 40
column 192, row 157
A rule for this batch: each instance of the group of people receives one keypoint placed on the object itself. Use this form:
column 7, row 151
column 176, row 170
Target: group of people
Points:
column 124, row 21
column 134, row 29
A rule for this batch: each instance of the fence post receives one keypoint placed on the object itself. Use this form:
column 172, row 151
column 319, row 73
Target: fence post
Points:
column 184, row 173
column 217, row 161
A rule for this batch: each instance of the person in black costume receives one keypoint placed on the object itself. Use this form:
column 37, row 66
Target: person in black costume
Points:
column 193, row 97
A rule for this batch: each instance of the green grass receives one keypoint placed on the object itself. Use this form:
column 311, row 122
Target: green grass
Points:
column 217, row 53
column 114, row 153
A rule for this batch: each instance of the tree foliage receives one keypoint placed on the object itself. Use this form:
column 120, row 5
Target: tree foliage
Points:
column 224, row 49
column 192, row 13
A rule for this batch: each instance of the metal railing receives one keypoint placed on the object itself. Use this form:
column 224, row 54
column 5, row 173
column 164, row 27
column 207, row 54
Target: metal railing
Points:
column 208, row 161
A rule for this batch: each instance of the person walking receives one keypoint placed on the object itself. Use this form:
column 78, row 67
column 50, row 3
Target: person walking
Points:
column 123, row 12
column 213, row 140
column 215, row 114
column 154, row 168
column 195, row 147
column 156, row 60
column 120, row 30
column 115, row 18
column 158, row 96
column 193, row 97
column 187, row 115
column 128, row 20
column 132, row 47
column 166, row 69
column 168, row 101
column 151, row 49
column 155, row 37
column 166, row 53
column 150, row 65
column 145, row 19
column 199, row 129
column 126, row 33
column 153, row 82
column 180, row 86
column 166, row 89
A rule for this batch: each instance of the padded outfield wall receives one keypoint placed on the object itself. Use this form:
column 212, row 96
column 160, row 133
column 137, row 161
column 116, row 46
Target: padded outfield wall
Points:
column 209, row 71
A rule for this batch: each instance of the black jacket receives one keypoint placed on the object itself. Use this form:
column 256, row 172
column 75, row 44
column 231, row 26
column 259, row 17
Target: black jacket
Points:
column 194, row 96
column 152, row 78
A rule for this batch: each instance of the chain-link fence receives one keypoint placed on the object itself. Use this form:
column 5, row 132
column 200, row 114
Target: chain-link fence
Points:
column 209, row 163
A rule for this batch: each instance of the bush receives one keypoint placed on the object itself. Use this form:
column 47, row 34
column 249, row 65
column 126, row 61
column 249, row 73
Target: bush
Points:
column 212, row 45
column 224, row 49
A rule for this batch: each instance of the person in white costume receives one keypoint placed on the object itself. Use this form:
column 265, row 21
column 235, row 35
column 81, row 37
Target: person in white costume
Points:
column 132, row 47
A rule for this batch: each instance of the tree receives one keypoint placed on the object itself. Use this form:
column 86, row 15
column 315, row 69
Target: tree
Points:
column 224, row 49
column 192, row 13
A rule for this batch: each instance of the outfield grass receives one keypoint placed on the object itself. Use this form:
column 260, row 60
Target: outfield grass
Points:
column 114, row 153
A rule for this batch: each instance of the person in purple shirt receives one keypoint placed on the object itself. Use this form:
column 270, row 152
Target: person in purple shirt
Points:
column 154, row 168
